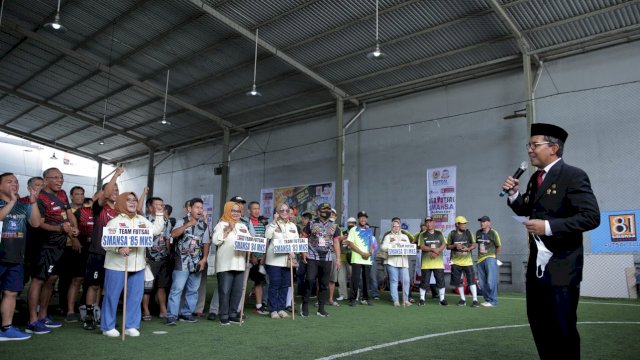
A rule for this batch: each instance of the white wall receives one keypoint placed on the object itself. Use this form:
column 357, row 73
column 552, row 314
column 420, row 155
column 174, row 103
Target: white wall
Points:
column 390, row 147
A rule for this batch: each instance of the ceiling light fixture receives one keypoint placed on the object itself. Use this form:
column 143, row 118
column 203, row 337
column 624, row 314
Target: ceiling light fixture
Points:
column 55, row 26
column 166, row 93
column 376, row 54
column 101, row 142
column 53, row 157
column 254, row 91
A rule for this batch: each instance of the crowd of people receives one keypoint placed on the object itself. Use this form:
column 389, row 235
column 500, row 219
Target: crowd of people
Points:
column 49, row 239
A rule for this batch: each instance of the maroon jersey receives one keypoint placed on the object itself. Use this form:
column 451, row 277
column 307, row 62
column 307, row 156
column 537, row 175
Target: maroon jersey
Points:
column 84, row 215
column 55, row 207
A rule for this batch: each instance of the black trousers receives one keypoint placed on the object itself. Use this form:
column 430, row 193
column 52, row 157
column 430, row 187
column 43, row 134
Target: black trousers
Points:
column 552, row 317
column 360, row 272
column 318, row 271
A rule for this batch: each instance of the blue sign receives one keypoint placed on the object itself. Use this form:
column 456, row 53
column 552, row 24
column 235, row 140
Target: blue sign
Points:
column 618, row 232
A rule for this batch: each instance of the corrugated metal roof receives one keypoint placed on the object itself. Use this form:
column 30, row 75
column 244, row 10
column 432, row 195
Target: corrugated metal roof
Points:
column 51, row 87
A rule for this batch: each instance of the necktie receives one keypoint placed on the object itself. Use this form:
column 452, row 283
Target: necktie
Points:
column 539, row 178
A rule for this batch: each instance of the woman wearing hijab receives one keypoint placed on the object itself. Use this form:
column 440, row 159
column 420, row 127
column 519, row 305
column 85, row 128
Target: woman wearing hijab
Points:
column 114, row 265
column 230, row 264
column 279, row 273
column 397, row 265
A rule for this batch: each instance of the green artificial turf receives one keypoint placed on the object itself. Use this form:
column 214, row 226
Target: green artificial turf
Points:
column 348, row 329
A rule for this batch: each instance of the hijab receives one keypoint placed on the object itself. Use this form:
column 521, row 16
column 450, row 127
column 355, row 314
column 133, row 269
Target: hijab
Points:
column 121, row 204
column 226, row 214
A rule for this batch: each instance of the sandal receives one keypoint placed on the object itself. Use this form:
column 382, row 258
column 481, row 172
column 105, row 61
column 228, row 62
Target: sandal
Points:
column 146, row 318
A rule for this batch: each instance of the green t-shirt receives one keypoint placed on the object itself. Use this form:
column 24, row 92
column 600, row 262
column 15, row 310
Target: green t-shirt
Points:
column 458, row 257
column 487, row 244
column 362, row 239
column 432, row 241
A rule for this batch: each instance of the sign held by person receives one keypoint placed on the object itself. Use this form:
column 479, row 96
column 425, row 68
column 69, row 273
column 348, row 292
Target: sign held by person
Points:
column 403, row 249
column 285, row 246
column 126, row 237
column 250, row 243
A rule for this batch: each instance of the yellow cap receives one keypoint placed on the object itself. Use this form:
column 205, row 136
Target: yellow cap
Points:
column 461, row 220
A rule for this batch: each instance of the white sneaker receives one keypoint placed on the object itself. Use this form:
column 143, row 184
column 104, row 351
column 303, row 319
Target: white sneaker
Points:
column 340, row 298
column 275, row 315
column 486, row 304
column 111, row 333
column 132, row 332
column 283, row 314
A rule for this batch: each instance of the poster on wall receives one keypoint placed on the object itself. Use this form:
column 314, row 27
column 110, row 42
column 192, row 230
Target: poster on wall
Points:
column 301, row 198
column 618, row 232
column 441, row 202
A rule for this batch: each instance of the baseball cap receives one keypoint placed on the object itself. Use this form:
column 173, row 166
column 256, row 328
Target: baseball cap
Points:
column 324, row 206
column 351, row 220
column 484, row 218
column 238, row 199
column 461, row 220
column 363, row 213
column 334, row 211
column 428, row 218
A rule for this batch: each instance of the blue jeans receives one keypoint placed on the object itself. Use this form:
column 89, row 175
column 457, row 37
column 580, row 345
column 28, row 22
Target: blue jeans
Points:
column 488, row 279
column 230, row 293
column 180, row 279
column 279, row 282
column 394, row 276
column 113, row 285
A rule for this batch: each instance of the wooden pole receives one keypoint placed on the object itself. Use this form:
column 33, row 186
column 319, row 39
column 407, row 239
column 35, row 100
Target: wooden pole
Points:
column 404, row 299
column 124, row 302
column 293, row 301
column 244, row 286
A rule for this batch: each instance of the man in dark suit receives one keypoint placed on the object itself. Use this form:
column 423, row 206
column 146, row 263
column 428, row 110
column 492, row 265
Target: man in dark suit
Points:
column 561, row 206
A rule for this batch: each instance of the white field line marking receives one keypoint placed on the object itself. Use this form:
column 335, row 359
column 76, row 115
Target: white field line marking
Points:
column 581, row 302
column 428, row 336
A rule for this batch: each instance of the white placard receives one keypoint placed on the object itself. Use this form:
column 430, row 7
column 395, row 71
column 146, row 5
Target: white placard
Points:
column 1, row 223
column 126, row 237
column 402, row 249
column 250, row 243
column 285, row 246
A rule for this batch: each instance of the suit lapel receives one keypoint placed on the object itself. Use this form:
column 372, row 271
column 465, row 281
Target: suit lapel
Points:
column 549, row 179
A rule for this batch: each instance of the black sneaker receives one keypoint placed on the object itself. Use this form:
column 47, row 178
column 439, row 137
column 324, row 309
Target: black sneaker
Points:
column 322, row 313
column 444, row 302
column 212, row 316
column 352, row 303
column 289, row 309
column 304, row 310
column 475, row 303
column 224, row 322
column 261, row 311
column 462, row 303
column 421, row 303
column 89, row 323
column 189, row 319
column 236, row 320
column 171, row 320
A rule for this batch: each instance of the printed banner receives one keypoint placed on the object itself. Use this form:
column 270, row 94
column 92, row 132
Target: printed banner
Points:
column 618, row 232
column 441, row 202
column 302, row 198
column 126, row 237
column 285, row 246
column 250, row 243
column 403, row 249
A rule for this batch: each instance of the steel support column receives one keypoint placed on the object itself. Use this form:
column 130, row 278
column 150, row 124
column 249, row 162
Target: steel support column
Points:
column 151, row 173
column 339, row 157
column 224, row 179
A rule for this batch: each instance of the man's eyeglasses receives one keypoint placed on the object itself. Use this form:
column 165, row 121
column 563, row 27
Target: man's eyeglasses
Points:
column 534, row 145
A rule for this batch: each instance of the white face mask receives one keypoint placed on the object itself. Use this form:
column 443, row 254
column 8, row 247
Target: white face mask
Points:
column 544, row 255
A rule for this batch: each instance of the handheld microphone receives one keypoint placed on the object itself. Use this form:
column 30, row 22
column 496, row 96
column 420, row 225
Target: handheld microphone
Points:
column 518, row 173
